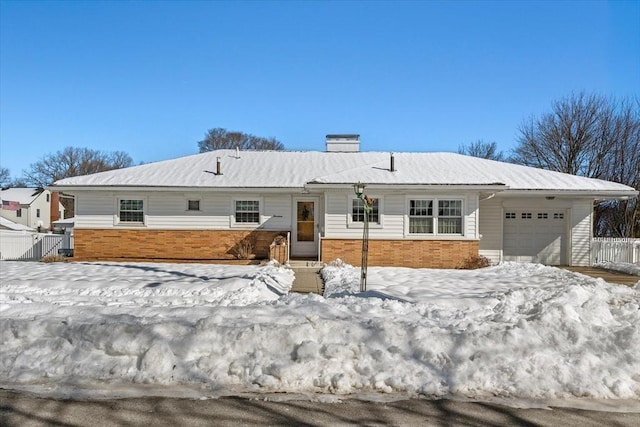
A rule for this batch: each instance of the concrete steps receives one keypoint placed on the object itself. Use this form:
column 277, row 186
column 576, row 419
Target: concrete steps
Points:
column 308, row 279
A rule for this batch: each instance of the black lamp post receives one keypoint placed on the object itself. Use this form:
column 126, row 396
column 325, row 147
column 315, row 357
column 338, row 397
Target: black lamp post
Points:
column 367, row 205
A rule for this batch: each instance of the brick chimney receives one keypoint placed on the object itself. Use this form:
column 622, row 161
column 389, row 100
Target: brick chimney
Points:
column 54, row 208
column 343, row 143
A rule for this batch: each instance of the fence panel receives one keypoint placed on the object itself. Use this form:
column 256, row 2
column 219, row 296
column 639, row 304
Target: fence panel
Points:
column 31, row 246
column 615, row 250
column 18, row 246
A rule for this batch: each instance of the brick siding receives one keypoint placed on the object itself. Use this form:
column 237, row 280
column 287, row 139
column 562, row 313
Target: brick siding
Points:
column 402, row 253
column 168, row 244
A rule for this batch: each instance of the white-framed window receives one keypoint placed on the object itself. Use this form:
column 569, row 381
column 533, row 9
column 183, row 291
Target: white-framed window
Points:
column 131, row 211
column 510, row 215
column 37, row 213
column 435, row 216
column 19, row 213
column 420, row 216
column 246, row 211
column 449, row 216
column 193, row 205
column 355, row 216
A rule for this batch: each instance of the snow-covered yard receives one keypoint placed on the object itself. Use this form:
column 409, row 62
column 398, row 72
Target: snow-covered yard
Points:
column 521, row 331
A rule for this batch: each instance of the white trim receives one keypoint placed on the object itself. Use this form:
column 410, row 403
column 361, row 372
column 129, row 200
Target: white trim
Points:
column 116, row 215
column 246, row 225
column 435, row 200
column 304, row 249
column 359, row 225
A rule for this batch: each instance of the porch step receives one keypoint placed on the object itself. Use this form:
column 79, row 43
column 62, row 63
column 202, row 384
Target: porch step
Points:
column 306, row 264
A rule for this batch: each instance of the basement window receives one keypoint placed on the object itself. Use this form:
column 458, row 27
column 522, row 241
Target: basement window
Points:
column 131, row 211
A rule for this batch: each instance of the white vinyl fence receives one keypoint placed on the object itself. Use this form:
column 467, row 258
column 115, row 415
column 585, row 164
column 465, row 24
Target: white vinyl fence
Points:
column 31, row 246
column 615, row 250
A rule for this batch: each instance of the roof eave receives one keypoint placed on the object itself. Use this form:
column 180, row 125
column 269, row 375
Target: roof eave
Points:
column 407, row 186
column 594, row 194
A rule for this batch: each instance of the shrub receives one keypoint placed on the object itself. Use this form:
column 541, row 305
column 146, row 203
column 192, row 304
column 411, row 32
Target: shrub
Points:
column 244, row 248
column 474, row 262
column 53, row 258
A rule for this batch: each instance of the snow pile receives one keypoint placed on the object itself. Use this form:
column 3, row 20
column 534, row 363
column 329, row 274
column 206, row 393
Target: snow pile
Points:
column 514, row 330
column 624, row 267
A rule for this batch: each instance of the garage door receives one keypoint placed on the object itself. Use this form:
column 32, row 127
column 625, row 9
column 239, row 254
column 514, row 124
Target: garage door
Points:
column 535, row 236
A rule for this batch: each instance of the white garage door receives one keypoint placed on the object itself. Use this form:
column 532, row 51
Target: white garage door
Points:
column 535, row 236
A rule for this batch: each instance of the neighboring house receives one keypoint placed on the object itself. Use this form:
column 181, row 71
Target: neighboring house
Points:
column 31, row 207
column 431, row 209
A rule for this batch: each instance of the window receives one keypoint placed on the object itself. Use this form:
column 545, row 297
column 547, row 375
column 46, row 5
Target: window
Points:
column 47, row 198
column 424, row 218
column 420, row 216
column 510, row 215
column 19, row 213
column 525, row 215
column 193, row 205
column 357, row 211
column 131, row 211
column 247, row 211
column 37, row 213
column 543, row 215
column 558, row 215
column 450, row 216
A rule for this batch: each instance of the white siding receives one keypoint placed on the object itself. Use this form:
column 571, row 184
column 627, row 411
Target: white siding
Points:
column 394, row 211
column 581, row 226
column 94, row 210
column 491, row 229
column 168, row 210
column 277, row 212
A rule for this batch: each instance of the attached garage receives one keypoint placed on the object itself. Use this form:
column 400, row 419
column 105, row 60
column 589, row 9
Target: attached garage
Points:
column 535, row 236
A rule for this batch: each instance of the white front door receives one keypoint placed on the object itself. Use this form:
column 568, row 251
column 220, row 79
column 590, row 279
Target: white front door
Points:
column 304, row 242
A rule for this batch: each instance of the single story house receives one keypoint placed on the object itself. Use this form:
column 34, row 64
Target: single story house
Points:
column 35, row 208
column 430, row 209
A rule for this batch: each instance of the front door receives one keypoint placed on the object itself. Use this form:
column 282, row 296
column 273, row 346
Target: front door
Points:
column 304, row 242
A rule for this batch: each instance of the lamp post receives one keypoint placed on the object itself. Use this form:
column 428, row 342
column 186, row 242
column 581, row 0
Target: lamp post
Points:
column 367, row 205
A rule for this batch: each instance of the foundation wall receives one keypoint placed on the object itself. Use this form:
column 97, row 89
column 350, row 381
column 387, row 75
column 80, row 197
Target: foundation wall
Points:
column 401, row 253
column 172, row 244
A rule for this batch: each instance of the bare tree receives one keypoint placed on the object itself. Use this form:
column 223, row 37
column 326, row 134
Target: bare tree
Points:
column 71, row 162
column 5, row 177
column 219, row 138
column 484, row 150
column 592, row 136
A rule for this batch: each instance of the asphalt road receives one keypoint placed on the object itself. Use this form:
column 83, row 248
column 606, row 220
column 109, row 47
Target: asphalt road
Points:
column 27, row 411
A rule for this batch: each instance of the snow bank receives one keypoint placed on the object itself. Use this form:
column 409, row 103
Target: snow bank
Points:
column 514, row 330
column 624, row 267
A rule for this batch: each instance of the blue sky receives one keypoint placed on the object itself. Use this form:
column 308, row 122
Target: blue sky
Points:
column 150, row 78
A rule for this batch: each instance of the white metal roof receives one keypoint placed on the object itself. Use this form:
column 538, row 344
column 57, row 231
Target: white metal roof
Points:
column 25, row 196
column 297, row 169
